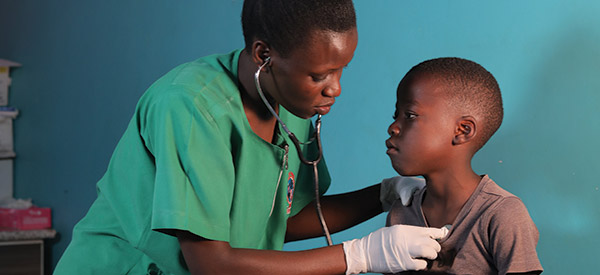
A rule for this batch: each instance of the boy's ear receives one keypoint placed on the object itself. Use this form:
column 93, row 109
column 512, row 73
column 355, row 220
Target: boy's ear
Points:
column 466, row 129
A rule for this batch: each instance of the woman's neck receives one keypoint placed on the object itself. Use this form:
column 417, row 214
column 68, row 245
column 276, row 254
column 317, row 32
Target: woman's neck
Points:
column 259, row 117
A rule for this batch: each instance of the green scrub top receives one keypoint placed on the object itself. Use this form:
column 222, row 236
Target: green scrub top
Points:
column 190, row 161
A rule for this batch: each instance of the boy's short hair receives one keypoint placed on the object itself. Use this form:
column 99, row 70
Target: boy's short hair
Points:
column 286, row 24
column 470, row 87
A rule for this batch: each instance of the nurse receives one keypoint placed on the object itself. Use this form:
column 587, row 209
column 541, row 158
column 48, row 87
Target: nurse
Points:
column 204, row 182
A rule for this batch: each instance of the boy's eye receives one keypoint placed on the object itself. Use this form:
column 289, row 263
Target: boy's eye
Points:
column 410, row 116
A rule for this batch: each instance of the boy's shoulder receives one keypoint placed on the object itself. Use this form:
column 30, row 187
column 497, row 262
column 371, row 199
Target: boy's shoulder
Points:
column 500, row 204
column 491, row 188
column 493, row 231
column 491, row 192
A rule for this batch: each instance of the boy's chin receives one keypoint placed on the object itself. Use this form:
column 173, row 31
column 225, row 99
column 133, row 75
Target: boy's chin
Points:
column 402, row 171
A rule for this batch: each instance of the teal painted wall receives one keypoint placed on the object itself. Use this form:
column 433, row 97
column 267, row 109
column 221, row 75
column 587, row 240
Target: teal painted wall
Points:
column 85, row 64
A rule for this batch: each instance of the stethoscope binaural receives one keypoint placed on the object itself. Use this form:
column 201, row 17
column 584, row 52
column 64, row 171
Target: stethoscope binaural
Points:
column 313, row 163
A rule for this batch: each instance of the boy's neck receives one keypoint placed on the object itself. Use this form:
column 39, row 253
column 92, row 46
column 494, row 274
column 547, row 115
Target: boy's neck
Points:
column 446, row 195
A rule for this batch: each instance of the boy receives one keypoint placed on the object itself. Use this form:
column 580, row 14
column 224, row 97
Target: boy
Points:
column 446, row 110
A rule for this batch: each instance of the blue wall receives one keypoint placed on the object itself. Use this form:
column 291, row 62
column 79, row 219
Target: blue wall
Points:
column 85, row 64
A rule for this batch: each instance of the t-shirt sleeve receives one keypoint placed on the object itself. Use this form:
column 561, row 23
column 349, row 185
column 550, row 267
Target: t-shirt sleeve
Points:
column 194, row 168
column 513, row 238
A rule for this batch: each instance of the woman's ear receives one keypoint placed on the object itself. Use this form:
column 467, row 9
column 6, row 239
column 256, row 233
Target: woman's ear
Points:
column 466, row 129
column 260, row 52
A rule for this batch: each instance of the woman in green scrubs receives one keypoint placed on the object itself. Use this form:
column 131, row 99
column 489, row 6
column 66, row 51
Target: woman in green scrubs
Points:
column 204, row 181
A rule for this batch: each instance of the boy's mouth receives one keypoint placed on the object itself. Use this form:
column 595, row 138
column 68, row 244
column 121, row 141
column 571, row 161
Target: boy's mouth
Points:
column 391, row 147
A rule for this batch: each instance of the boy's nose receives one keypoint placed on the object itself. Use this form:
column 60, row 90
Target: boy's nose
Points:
column 394, row 129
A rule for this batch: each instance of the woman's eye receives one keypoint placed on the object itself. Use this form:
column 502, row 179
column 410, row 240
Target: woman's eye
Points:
column 317, row 78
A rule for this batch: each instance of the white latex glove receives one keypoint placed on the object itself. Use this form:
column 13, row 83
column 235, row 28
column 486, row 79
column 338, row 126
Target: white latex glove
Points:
column 393, row 249
column 401, row 188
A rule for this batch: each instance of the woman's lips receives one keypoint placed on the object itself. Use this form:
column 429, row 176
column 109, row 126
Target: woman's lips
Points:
column 324, row 109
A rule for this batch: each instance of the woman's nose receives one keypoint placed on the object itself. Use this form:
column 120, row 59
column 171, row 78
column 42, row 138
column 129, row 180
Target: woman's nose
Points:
column 334, row 89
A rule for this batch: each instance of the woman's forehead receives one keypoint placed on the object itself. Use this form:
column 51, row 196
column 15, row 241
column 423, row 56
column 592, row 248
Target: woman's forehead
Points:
column 327, row 48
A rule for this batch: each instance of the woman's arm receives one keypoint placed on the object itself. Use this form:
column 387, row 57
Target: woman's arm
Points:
column 216, row 257
column 386, row 250
column 341, row 211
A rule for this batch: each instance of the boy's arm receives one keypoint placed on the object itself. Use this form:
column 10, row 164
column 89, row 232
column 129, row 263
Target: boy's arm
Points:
column 514, row 238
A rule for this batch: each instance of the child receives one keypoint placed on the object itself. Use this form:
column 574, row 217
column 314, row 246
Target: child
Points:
column 446, row 110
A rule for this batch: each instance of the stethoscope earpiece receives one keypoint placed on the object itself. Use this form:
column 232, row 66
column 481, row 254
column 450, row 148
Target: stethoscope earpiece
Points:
column 266, row 60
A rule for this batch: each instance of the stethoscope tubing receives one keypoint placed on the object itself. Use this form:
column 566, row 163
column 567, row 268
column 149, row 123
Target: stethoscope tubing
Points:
column 296, row 142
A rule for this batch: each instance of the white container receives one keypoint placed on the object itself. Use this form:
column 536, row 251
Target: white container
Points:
column 6, row 132
column 6, row 179
column 5, row 79
column 4, row 83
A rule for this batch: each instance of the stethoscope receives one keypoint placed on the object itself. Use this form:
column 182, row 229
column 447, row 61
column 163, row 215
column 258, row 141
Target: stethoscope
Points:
column 313, row 163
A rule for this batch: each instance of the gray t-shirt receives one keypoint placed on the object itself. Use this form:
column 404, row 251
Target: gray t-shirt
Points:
column 492, row 234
